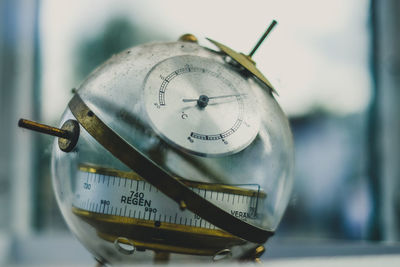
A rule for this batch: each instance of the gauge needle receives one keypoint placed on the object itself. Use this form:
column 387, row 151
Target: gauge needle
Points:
column 210, row 97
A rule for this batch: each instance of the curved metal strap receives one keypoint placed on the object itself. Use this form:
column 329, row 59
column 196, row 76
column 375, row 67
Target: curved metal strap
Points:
column 161, row 179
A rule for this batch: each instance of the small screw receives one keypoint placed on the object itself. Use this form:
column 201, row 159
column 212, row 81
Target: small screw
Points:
column 182, row 205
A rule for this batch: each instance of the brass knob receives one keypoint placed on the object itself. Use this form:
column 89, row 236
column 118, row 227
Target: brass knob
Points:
column 68, row 135
column 188, row 37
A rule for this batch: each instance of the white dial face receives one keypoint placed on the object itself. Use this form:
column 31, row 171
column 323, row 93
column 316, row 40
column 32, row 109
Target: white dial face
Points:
column 201, row 106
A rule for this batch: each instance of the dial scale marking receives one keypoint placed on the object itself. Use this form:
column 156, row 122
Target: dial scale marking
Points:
column 222, row 121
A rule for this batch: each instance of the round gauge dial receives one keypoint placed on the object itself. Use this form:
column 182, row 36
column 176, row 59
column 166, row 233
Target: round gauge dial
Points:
column 201, row 106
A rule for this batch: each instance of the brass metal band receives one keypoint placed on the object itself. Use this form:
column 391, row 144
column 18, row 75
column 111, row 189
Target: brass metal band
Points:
column 147, row 223
column 230, row 189
column 160, row 178
column 168, row 237
column 162, row 247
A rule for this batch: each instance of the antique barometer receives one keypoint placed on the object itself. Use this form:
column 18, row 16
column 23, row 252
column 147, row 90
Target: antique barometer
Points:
column 173, row 151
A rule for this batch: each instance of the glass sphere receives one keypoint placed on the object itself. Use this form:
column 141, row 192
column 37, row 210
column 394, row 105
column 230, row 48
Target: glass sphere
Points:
column 201, row 118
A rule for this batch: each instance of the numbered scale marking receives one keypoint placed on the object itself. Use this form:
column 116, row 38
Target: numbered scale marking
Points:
column 118, row 202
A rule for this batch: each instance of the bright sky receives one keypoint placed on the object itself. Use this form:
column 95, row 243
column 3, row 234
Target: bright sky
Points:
column 316, row 57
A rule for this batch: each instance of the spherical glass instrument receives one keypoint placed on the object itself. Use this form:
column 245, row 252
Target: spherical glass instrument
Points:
column 173, row 150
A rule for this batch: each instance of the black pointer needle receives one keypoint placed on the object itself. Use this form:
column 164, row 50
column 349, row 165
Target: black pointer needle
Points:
column 212, row 97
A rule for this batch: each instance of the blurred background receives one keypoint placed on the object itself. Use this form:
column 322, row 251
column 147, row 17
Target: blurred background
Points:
column 335, row 64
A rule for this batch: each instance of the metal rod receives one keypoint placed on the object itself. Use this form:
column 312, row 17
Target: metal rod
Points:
column 42, row 128
column 271, row 26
